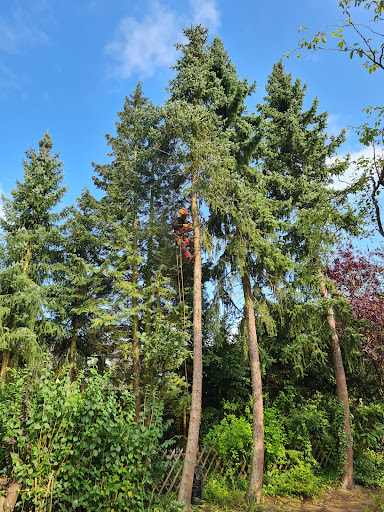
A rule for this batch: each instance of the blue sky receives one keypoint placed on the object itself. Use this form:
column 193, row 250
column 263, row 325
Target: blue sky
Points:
column 66, row 66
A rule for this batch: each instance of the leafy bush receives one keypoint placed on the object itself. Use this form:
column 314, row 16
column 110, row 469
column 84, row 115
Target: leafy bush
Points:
column 369, row 467
column 219, row 491
column 299, row 480
column 232, row 439
column 293, row 425
column 378, row 500
column 308, row 420
column 275, row 438
column 76, row 446
column 368, row 425
column 368, row 438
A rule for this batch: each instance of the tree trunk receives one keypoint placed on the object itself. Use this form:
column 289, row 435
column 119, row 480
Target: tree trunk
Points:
column 185, row 436
column 185, row 490
column 158, row 309
column 135, row 340
column 135, row 316
column 4, row 364
column 8, row 502
column 256, row 478
column 150, row 253
column 342, row 392
column 72, row 348
column 27, row 258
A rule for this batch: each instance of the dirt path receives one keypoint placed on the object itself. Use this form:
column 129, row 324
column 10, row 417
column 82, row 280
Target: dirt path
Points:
column 337, row 500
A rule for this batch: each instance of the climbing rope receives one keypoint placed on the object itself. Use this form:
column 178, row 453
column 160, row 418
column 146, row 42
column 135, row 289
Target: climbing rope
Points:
column 180, row 281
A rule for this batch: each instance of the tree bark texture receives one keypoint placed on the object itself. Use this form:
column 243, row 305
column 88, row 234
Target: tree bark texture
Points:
column 8, row 502
column 4, row 364
column 256, row 479
column 27, row 258
column 185, row 489
column 73, row 347
column 342, row 393
column 148, row 276
column 135, row 317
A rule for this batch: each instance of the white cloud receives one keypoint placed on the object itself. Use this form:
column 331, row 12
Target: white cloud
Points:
column 353, row 173
column 142, row 47
column 334, row 124
column 16, row 31
column 206, row 13
column 9, row 82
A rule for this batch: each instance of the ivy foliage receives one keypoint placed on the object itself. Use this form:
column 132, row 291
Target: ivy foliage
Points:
column 75, row 446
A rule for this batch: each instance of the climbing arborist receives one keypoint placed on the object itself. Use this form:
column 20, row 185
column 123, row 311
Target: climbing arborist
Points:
column 181, row 228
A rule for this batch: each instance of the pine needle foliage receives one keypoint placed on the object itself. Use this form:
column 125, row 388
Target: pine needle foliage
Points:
column 28, row 231
column 314, row 214
column 79, row 276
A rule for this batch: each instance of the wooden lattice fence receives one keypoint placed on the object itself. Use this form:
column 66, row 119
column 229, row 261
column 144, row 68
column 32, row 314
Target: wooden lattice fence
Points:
column 209, row 462
column 323, row 457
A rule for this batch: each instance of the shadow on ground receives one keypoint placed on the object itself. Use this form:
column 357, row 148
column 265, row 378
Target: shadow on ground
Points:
column 337, row 500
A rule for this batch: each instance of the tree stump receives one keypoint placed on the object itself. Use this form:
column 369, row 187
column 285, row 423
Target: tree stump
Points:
column 12, row 490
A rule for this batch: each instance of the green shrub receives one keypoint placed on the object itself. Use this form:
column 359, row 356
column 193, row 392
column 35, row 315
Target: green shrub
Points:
column 220, row 491
column 275, row 438
column 368, row 439
column 308, row 420
column 368, row 426
column 232, row 439
column 166, row 504
column 293, row 424
column 77, row 446
column 369, row 468
column 378, row 500
column 299, row 480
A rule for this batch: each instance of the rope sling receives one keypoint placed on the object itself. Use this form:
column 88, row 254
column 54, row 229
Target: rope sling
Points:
column 180, row 282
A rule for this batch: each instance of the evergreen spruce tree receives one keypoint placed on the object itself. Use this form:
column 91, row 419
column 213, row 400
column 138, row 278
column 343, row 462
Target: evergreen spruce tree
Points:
column 201, row 146
column 127, row 211
column 295, row 165
column 28, row 229
column 78, row 284
column 246, row 222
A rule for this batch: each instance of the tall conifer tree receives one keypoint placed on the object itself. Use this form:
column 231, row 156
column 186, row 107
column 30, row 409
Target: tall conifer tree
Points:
column 127, row 183
column 246, row 222
column 295, row 164
column 28, row 226
column 202, row 148
column 78, row 283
